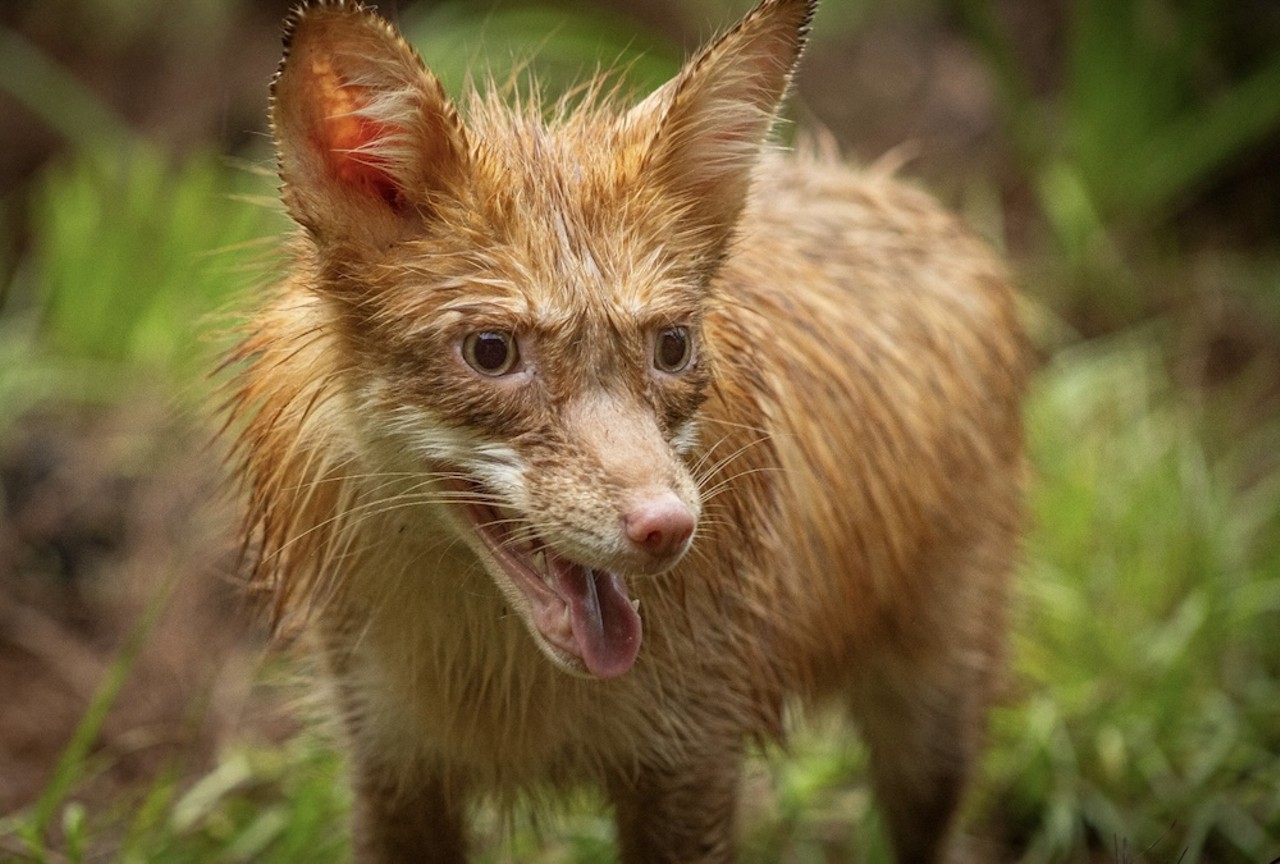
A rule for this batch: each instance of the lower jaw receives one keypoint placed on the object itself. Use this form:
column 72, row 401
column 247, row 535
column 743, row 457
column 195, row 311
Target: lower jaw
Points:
column 582, row 618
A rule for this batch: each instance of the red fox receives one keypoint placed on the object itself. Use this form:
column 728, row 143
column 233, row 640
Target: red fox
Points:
column 587, row 441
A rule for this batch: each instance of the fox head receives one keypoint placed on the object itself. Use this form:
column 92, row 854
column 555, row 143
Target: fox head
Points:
column 519, row 297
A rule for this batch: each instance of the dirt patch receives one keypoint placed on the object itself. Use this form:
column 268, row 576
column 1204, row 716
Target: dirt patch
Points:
column 103, row 515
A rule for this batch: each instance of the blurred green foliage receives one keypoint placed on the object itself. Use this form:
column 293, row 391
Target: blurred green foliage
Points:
column 1142, row 725
column 1157, row 99
column 1148, row 110
column 465, row 44
column 133, row 252
column 1147, row 661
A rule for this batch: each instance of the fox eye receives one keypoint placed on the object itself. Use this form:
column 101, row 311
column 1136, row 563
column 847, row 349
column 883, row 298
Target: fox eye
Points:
column 672, row 349
column 490, row 352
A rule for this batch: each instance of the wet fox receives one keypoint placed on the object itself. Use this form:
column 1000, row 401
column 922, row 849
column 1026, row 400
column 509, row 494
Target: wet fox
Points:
column 586, row 441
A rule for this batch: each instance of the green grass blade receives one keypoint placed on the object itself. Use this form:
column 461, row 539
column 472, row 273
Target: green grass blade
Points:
column 55, row 95
column 1191, row 148
column 69, row 768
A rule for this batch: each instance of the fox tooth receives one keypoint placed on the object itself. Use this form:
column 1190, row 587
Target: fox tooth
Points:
column 635, row 604
column 539, row 560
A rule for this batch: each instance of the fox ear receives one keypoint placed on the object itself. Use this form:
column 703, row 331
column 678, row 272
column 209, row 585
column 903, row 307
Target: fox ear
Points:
column 365, row 136
column 715, row 115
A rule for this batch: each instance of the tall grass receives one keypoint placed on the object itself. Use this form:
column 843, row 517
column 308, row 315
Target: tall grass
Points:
column 1147, row 659
column 1158, row 99
column 133, row 250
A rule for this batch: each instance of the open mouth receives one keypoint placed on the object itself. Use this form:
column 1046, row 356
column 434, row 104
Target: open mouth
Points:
column 583, row 614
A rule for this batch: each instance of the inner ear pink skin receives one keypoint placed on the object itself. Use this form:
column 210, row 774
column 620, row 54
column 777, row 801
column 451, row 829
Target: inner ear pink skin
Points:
column 346, row 138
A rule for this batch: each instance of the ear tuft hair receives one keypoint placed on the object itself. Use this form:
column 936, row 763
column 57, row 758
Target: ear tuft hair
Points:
column 716, row 114
column 365, row 135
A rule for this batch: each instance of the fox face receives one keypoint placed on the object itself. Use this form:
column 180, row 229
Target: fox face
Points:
column 556, row 432
column 521, row 300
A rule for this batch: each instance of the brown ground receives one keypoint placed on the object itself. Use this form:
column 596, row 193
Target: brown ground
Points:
column 103, row 515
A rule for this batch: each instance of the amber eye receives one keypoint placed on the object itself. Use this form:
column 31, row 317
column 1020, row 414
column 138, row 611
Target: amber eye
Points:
column 672, row 349
column 490, row 352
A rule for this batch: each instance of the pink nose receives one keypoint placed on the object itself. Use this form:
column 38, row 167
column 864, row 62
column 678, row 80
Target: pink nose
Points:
column 660, row 525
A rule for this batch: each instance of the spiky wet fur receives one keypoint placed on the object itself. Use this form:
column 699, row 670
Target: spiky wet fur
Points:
column 849, row 437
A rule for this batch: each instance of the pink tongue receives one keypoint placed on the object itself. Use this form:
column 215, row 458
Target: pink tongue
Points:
column 604, row 625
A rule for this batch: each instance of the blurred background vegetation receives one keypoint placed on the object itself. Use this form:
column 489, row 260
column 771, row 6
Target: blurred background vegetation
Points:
column 1126, row 155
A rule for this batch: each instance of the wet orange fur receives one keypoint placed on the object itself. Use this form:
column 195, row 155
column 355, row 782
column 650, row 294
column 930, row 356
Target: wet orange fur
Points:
column 848, row 436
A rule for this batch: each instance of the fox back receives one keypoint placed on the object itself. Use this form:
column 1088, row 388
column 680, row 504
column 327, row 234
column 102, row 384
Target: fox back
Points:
column 584, row 442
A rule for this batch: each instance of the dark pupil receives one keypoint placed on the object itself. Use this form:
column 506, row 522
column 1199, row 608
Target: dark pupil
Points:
column 491, row 351
column 673, row 345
